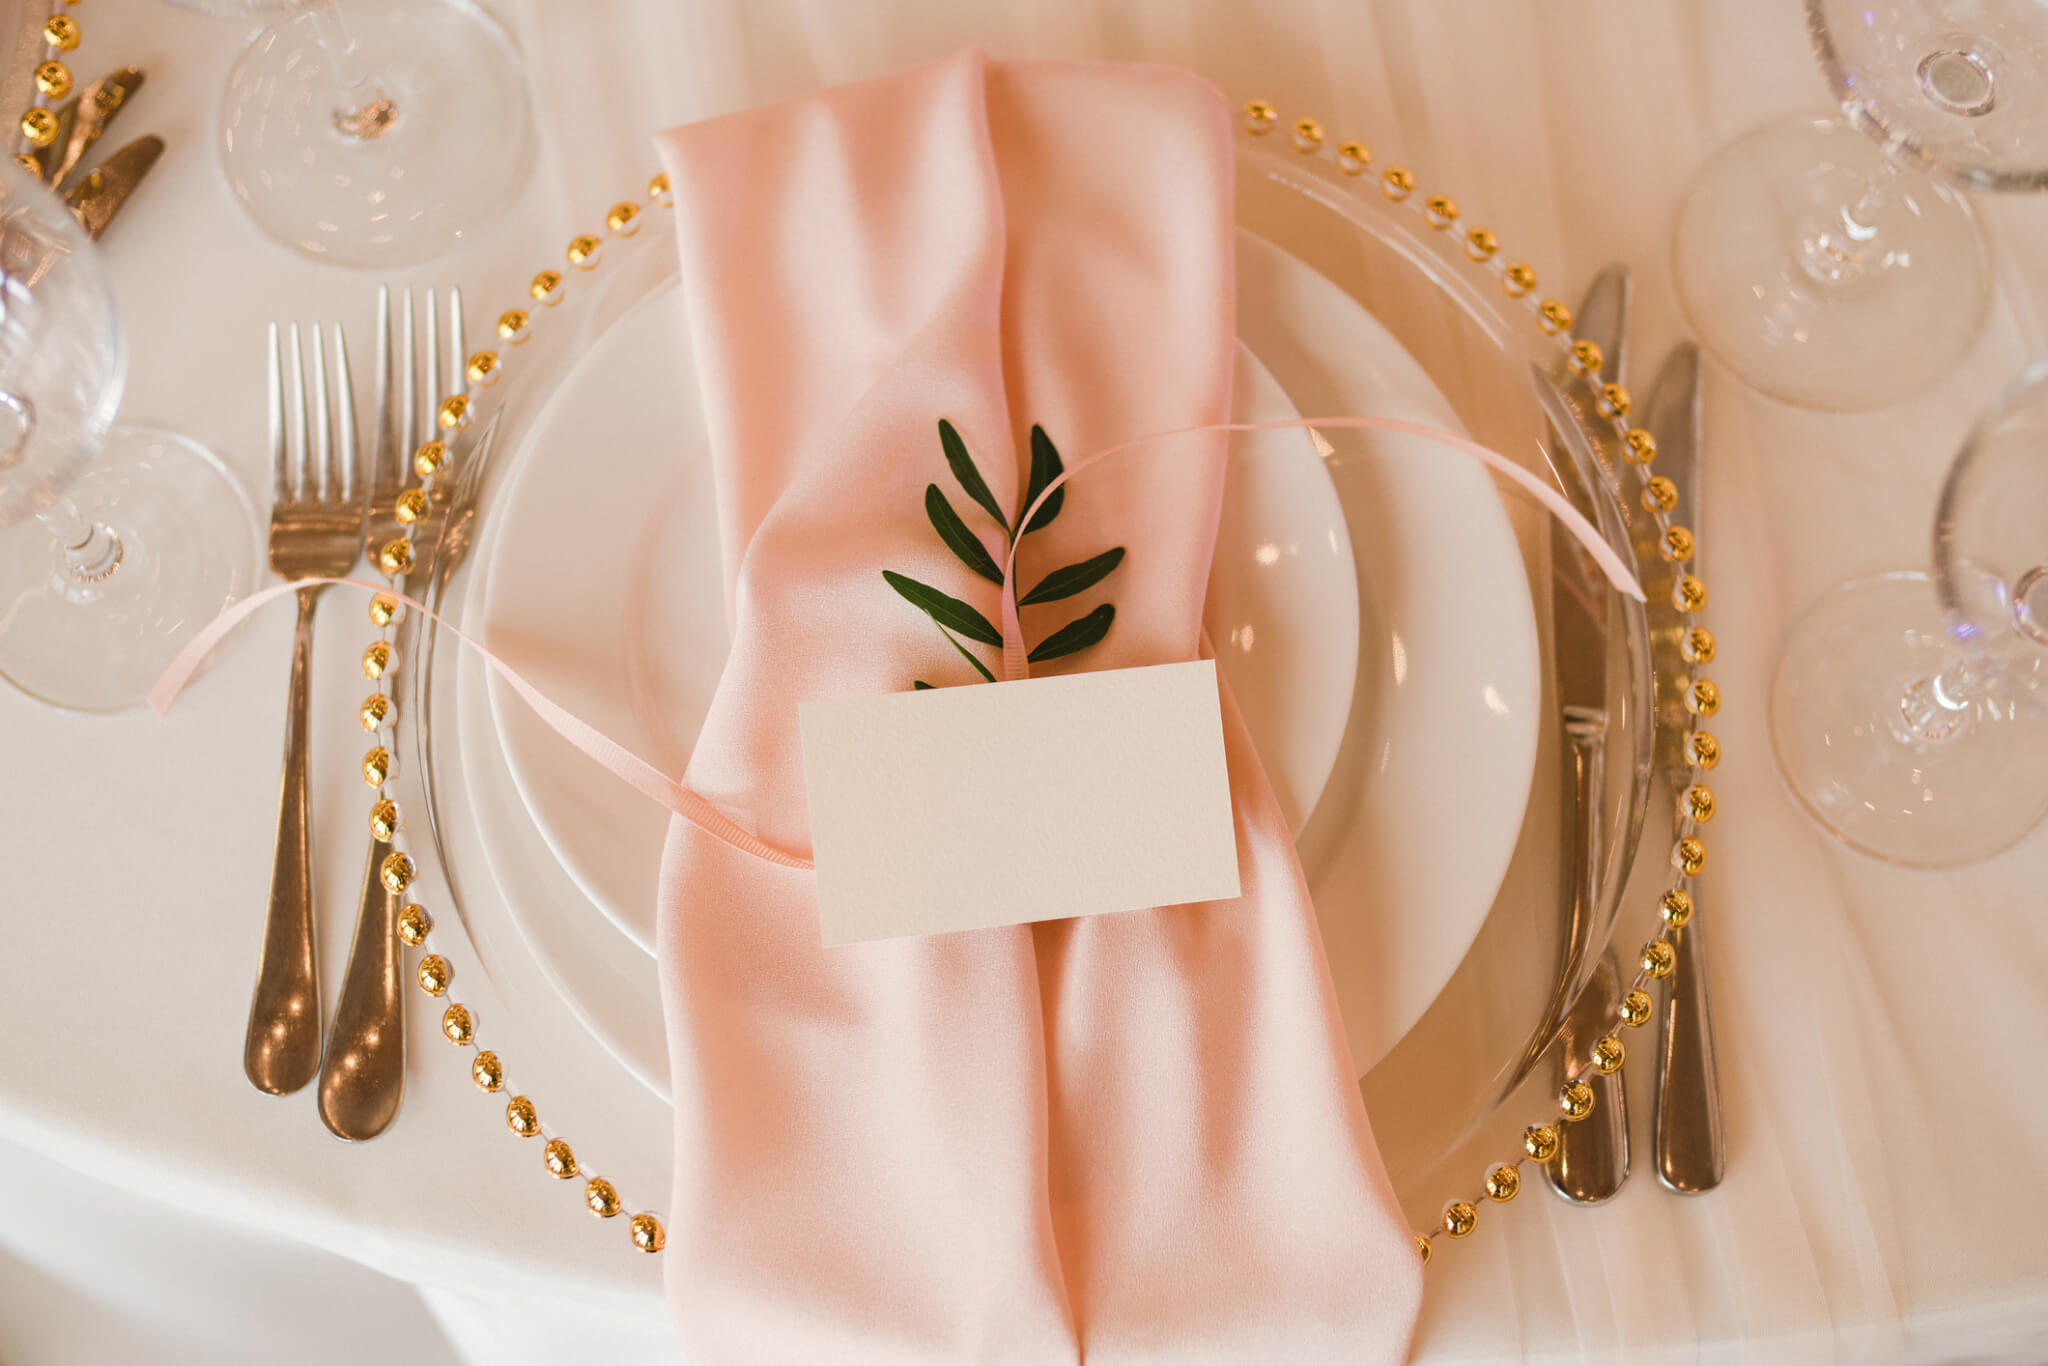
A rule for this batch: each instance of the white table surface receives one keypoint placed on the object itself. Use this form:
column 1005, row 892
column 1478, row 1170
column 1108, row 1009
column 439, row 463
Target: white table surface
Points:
column 1886, row 1113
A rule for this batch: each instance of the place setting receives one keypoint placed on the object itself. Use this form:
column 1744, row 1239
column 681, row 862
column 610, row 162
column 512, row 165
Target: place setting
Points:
column 937, row 707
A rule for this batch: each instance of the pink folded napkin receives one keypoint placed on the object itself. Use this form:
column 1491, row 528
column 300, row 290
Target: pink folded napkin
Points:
column 1126, row 1138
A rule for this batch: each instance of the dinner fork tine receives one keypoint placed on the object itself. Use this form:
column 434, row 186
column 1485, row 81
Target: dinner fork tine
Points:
column 408, row 398
column 433, row 367
column 298, row 459
column 348, row 456
column 458, row 353
column 277, row 442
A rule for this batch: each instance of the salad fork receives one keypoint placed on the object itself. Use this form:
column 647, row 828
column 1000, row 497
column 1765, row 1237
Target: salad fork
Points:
column 315, row 526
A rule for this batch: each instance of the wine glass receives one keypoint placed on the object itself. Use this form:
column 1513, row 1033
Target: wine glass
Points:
column 116, row 542
column 373, row 132
column 1837, row 270
column 1910, row 711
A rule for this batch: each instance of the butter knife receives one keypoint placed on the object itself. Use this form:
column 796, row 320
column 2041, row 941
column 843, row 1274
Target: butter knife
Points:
column 98, row 103
column 96, row 199
column 1687, row 1129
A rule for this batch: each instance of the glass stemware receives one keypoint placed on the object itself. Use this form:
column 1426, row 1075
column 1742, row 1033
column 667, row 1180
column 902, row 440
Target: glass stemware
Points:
column 373, row 132
column 116, row 543
column 1910, row 711
column 1826, row 267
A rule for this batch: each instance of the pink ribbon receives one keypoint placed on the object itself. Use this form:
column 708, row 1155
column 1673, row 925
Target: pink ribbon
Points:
column 670, row 793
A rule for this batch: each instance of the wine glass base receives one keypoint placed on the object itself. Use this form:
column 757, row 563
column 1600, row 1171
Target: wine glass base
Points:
column 435, row 94
column 188, row 548
column 1824, row 276
column 1839, row 734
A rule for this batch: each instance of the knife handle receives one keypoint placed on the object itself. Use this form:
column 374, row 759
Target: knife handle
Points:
column 1687, row 1133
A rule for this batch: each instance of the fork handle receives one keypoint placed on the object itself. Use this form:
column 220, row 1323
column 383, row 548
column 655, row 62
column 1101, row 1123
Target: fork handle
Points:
column 1690, row 1154
column 362, row 1075
column 282, row 1050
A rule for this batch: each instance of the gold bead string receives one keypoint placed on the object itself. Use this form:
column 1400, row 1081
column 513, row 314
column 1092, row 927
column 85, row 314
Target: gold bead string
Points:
column 378, row 714
column 38, row 122
column 1675, row 544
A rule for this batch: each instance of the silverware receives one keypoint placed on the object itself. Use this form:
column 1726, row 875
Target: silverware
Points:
column 1687, row 1129
column 362, row 1078
column 1592, row 1158
column 96, row 199
column 98, row 103
column 313, row 533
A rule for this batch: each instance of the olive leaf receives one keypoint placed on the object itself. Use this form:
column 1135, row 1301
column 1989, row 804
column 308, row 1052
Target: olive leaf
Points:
column 970, row 478
column 1074, row 578
column 961, row 541
column 967, row 655
column 946, row 611
column 919, row 685
column 1077, row 634
column 1045, row 467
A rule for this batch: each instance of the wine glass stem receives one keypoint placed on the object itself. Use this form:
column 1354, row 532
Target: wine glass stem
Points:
column 1938, row 708
column 1839, row 248
column 91, row 551
column 362, row 111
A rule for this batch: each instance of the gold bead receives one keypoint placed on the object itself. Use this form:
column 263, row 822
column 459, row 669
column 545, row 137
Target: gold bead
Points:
column 512, row 326
column 1439, row 211
column 487, row 1072
column 584, row 251
column 1503, row 1183
column 521, row 1118
column 601, row 1197
column 1659, row 958
column 384, row 819
column 61, row 32
column 1698, row 646
column 1640, row 447
column 1608, row 1055
column 1259, row 117
column 1459, row 1218
column 482, row 368
column 377, row 659
column 383, row 609
column 377, row 766
column 546, row 288
column 1677, row 545
column 396, row 556
column 410, row 506
column 1540, row 1142
column 1703, row 698
column 1586, row 358
column 647, row 1234
column 1481, row 245
column 1308, row 135
column 454, row 413
column 435, row 974
column 559, row 1159
column 1699, row 803
column 1676, row 908
column 1398, row 183
column 28, row 163
column 376, row 710
column 414, row 924
column 39, row 126
column 54, row 79
column 1353, row 158
column 1576, row 1100
column 659, row 190
column 1688, row 594
column 1518, row 279
column 1553, row 317
column 1614, row 401
column 397, row 872
column 1689, row 856
column 427, row 459
column 1635, row 1008
column 1422, row 1248
column 624, row 218
column 458, row 1026
column 1706, row 750
column 1659, row 494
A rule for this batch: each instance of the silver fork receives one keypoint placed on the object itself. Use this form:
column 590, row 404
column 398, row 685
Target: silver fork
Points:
column 362, row 1079
column 314, row 532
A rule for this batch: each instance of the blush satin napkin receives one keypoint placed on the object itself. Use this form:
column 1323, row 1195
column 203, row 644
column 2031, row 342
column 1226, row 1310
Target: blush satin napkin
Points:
column 1133, row 1137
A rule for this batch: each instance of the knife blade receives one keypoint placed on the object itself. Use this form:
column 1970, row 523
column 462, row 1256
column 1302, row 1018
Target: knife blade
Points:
column 1686, row 1131
column 96, row 199
column 1592, row 1159
column 97, row 105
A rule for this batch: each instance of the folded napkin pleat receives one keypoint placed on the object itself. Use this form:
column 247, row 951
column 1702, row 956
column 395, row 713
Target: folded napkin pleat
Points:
column 1124, row 1138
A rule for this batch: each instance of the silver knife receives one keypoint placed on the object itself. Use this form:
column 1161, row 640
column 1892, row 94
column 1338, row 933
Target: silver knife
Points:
column 98, row 103
column 1687, row 1130
column 1592, row 1158
column 96, row 199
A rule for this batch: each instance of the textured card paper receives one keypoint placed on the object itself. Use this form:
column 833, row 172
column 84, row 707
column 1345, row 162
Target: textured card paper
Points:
column 1002, row 803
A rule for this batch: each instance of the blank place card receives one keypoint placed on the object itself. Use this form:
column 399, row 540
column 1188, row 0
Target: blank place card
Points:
column 1004, row 803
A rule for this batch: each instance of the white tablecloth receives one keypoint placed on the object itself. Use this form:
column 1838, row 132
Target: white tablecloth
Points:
column 1887, row 1118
